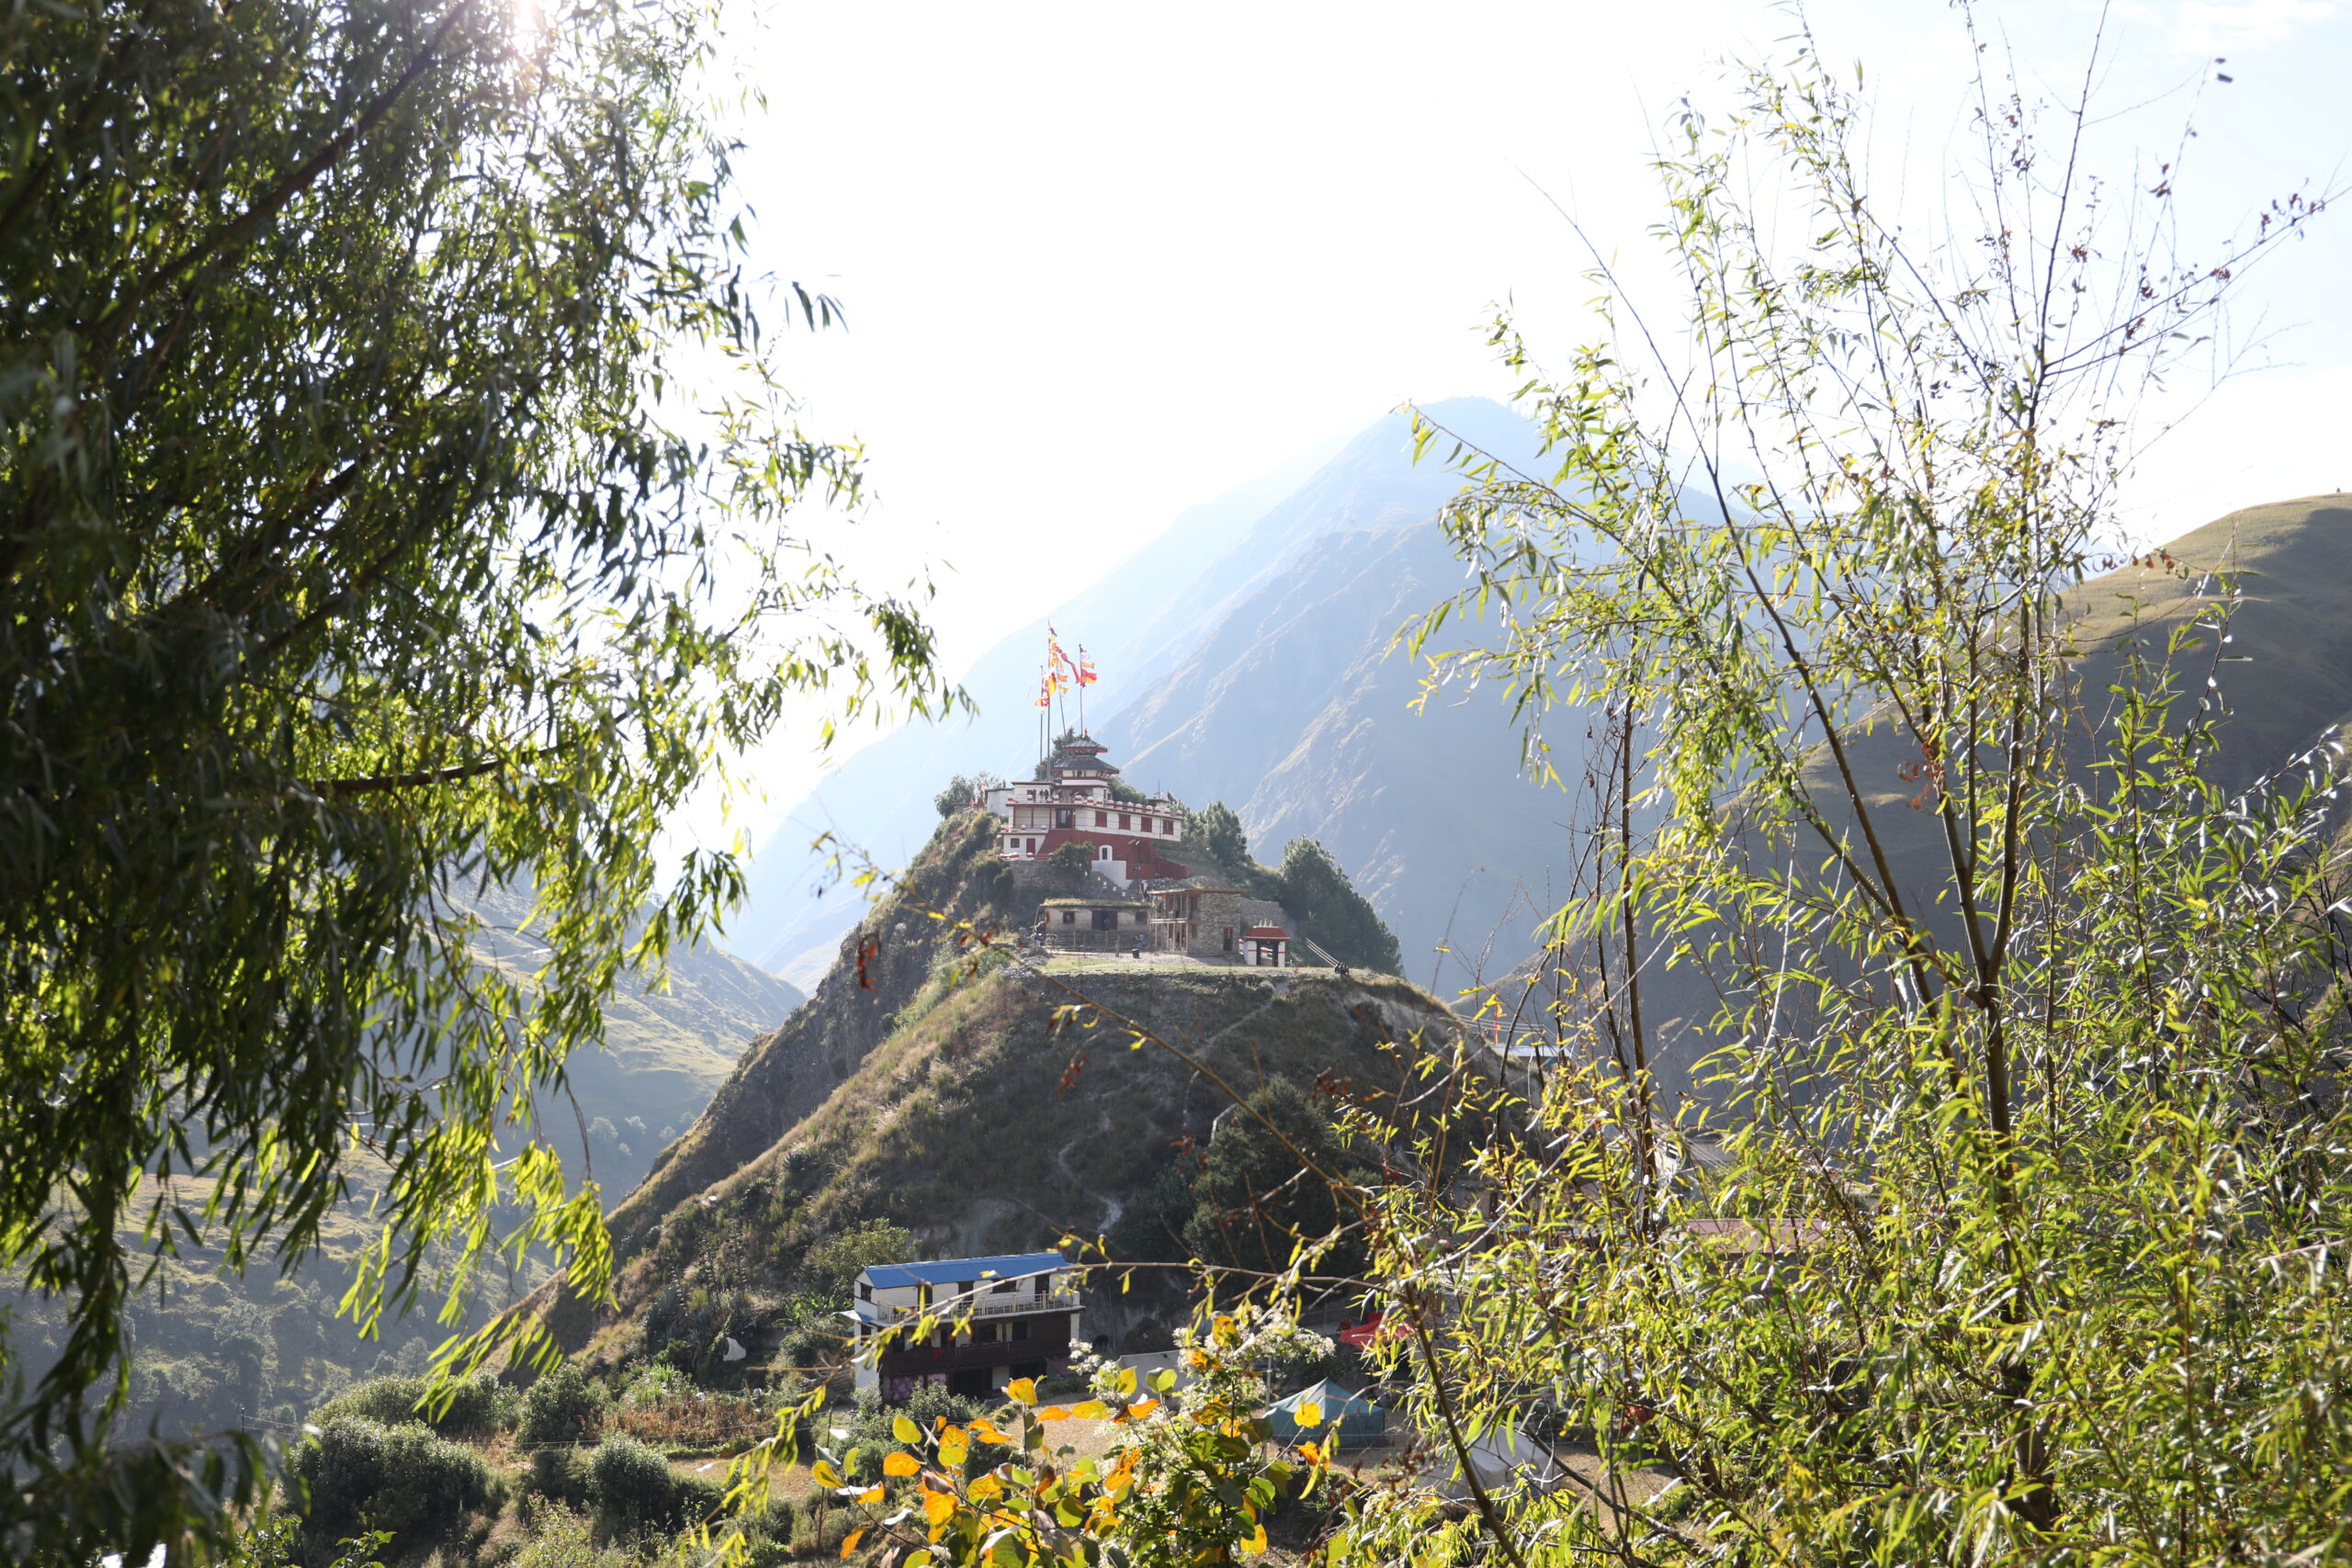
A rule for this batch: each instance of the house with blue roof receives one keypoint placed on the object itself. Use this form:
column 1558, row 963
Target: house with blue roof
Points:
column 967, row 1324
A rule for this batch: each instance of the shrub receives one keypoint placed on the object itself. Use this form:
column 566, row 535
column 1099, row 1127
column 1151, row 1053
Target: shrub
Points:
column 562, row 1539
column 359, row 1474
column 634, row 1489
column 560, row 1475
column 478, row 1407
column 654, row 1384
column 564, row 1407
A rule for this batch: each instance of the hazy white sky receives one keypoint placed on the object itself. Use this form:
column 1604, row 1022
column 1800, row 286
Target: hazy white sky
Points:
column 1102, row 262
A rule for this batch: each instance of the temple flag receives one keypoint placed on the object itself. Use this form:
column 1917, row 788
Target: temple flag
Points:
column 1085, row 667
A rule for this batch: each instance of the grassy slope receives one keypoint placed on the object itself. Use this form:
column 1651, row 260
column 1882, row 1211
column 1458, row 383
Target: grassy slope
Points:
column 2293, row 631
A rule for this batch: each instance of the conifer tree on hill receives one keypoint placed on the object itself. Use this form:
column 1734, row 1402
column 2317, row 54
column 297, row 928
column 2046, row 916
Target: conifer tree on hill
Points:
column 1309, row 884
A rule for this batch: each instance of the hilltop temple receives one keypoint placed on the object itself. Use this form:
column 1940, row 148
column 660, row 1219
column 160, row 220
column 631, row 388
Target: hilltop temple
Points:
column 1071, row 802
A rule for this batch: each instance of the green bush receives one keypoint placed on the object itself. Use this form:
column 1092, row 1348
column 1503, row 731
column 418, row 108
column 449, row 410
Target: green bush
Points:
column 655, row 1383
column 562, row 1538
column 635, row 1491
column 834, row 1263
column 359, row 1474
column 564, row 1407
column 478, row 1407
column 560, row 1475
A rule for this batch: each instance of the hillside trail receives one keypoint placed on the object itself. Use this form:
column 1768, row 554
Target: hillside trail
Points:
column 1061, row 1157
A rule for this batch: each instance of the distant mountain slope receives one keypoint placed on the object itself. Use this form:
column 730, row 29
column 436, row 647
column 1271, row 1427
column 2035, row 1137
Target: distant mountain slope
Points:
column 1293, row 711
column 665, row 1051
column 216, row 1350
column 1143, row 621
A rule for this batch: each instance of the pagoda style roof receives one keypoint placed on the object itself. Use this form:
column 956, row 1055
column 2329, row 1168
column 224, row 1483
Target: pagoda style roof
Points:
column 1108, row 901
column 1080, row 751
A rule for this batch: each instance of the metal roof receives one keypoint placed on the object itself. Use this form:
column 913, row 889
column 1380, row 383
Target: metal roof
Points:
column 962, row 1270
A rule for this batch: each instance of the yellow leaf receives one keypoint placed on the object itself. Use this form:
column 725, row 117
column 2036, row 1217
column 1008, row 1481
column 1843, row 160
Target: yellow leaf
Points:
column 919, row 1557
column 1022, row 1390
column 849, row 1542
column 938, row 1506
column 872, row 1494
column 905, row 1430
column 825, row 1474
column 1093, row 1409
column 899, row 1464
column 953, row 1449
column 986, row 1429
column 1310, row 1414
column 1053, row 1413
column 1141, row 1408
column 1255, row 1541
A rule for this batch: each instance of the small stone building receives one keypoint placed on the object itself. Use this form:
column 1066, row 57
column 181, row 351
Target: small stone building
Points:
column 1108, row 924
column 1220, row 925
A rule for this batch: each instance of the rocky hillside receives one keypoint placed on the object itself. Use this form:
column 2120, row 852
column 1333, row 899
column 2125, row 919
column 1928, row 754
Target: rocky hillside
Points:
column 961, row 1102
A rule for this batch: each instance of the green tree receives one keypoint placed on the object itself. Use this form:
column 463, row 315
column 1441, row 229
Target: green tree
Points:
column 1217, row 830
column 392, row 482
column 1317, row 892
column 833, row 1265
column 961, row 790
column 1256, row 1201
column 1073, row 858
column 2008, row 993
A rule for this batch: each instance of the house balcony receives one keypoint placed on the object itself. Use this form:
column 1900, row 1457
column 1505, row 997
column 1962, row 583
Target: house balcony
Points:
column 921, row 1360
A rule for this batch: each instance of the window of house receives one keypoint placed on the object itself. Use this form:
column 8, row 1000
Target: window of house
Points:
column 1070, row 917
column 1100, row 817
column 1123, row 818
column 1021, row 1328
column 865, row 1292
column 1228, row 939
column 1003, row 1287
